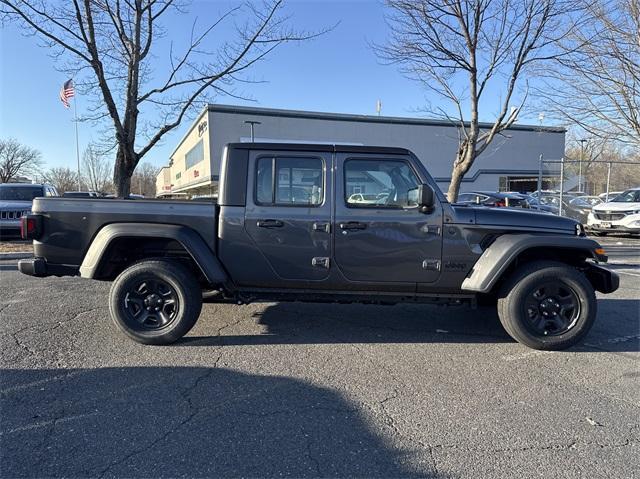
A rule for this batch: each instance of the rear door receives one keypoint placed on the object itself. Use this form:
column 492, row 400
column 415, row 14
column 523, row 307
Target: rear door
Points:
column 385, row 239
column 288, row 211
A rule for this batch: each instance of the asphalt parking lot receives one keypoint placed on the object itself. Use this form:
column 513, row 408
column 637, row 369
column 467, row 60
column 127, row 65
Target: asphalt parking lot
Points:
column 305, row 390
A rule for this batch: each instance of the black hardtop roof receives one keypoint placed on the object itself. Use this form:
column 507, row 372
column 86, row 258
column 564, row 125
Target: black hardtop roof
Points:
column 386, row 150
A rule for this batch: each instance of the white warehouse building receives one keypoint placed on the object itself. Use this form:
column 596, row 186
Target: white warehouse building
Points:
column 510, row 163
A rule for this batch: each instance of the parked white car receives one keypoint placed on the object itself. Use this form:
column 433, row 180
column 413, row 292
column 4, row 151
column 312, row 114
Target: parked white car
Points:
column 622, row 214
column 612, row 195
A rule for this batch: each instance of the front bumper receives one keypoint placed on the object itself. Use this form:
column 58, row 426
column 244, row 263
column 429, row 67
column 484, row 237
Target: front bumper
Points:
column 40, row 268
column 628, row 224
column 10, row 227
column 602, row 279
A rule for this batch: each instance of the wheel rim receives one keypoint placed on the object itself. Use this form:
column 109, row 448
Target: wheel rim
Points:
column 151, row 303
column 552, row 308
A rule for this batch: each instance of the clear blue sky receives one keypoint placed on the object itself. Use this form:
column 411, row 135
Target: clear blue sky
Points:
column 337, row 72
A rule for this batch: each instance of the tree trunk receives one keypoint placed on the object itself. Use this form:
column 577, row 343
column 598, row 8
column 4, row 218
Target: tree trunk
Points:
column 123, row 170
column 464, row 160
column 457, row 173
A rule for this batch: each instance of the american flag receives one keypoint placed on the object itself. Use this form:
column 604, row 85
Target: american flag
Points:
column 67, row 92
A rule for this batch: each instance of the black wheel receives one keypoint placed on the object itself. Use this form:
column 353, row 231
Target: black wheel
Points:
column 155, row 301
column 547, row 305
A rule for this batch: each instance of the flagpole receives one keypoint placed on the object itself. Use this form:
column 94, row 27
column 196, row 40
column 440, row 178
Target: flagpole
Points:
column 75, row 107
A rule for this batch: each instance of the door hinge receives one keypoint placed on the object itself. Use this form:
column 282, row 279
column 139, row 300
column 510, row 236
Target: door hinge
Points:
column 431, row 264
column 320, row 262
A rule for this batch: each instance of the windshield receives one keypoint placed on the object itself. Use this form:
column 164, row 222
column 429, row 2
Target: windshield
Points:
column 586, row 201
column 629, row 196
column 20, row 193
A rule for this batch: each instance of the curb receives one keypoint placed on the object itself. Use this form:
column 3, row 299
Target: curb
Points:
column 16, row 255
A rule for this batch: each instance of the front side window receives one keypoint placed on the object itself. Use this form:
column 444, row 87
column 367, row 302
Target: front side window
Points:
column 287, row 181
column 379, row 184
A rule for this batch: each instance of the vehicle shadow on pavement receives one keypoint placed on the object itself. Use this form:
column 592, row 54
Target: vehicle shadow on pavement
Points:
column 615, row 330
column 187, row 422
column 312, row 323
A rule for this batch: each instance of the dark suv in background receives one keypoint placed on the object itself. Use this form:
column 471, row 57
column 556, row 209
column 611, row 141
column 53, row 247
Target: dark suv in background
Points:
column 15, row 201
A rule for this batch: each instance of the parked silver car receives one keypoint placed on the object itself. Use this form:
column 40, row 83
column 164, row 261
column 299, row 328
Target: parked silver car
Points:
column 15, row 201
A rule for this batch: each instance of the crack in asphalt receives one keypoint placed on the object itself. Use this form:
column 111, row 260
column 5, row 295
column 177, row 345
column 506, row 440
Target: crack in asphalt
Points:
column 186, row 395
column 311, row 457
column 104, row 471
column 536, row 447
column 57, row 325
column 299, row 409
column 432, row 456
column 20, row 344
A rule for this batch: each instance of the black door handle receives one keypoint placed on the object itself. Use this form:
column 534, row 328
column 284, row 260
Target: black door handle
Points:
column 270, row 224
column 353, row 225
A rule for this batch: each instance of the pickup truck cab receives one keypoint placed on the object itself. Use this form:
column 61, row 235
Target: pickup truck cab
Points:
column 287, row 227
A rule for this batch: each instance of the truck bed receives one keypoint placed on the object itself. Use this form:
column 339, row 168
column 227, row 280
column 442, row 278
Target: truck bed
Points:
column 69, row 224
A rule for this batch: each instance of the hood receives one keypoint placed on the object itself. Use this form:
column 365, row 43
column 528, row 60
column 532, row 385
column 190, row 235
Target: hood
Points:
column 10, row 205
column 616, row 206
column 524, row 219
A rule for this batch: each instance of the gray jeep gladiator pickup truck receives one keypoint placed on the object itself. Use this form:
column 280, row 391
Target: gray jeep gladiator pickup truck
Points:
column 320, row 223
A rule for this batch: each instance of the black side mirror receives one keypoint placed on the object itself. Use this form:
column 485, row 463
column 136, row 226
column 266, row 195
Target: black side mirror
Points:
column 425, row 198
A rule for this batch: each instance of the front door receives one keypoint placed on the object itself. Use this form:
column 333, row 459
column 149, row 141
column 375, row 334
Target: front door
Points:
column 288, row 215
column 380, row 234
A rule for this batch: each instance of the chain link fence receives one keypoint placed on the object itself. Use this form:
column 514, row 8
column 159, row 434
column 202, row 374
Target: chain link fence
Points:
column 587, row 177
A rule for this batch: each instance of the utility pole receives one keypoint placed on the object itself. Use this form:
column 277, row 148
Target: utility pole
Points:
column 561, row 185
column 582, row 142
column 608, row 179
column 540, row 181
column 251, row 124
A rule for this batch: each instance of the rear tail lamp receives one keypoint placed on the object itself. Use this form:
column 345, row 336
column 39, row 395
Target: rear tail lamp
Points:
column 30, row 226
column 500, row 203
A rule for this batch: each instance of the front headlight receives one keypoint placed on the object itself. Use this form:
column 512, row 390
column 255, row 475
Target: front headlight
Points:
column 580, row 230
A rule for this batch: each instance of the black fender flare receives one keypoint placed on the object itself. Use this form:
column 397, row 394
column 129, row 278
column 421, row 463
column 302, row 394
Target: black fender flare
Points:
column 191, row 241
column 495, row 260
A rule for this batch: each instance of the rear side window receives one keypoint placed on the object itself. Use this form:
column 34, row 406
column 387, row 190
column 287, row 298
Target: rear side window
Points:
column 289, row 181
column 379, row 184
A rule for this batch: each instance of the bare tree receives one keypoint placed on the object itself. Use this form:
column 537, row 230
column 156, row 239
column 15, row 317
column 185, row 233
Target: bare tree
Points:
column 465, row 50
column 63, row 178
column 143, row 181
column 96, row 169
column 113, row 46
column 17, row 159
column 596, row 83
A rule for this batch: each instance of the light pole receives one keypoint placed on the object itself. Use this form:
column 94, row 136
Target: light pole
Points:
column 251, row 124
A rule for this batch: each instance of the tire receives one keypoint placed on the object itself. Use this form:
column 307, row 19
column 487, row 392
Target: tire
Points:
column 547, row 305
column 155, row 301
